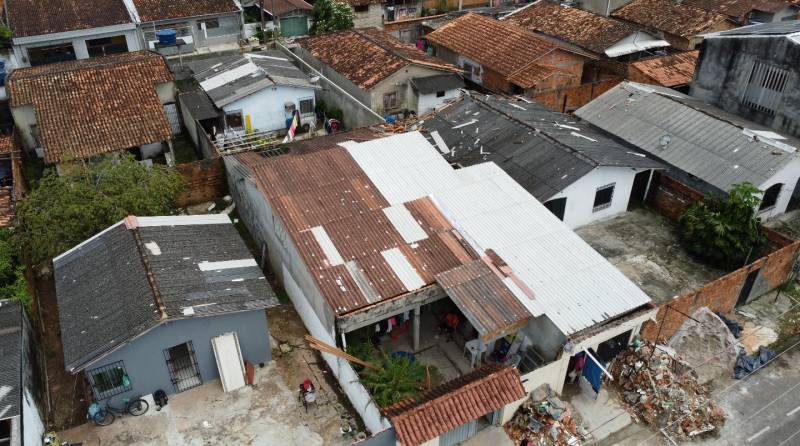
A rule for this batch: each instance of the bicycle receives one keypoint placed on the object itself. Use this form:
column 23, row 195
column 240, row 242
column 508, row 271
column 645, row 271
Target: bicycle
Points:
column 104, row 417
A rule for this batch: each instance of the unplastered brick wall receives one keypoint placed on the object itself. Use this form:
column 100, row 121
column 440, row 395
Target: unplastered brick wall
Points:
column 671, row 198
column 567, row 99
column 205, row 181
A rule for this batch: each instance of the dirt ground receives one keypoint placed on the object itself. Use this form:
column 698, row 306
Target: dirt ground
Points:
column 267, row 413
column 67, row 406
column 644, row 246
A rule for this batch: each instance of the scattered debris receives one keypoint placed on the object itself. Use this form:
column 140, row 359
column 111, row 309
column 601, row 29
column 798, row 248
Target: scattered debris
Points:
column 733, row 326
column 543, row 419
column 706, row 344
column 664, row 393
column 746, row 365
column 285, row 347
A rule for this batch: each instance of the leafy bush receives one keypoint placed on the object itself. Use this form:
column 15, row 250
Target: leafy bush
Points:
column 13, row 284
column 396, row 379
column 64, row 210
column 331, row 15
column 363, row 350
column 723, row 231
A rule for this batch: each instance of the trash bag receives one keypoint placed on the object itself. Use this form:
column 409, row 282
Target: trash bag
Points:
column 745, row 365
column 733, row 326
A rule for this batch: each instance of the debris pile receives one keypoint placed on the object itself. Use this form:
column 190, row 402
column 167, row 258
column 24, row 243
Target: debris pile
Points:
column 747, row 365
column 543, row 419
column 664, row 393
column 705, row 342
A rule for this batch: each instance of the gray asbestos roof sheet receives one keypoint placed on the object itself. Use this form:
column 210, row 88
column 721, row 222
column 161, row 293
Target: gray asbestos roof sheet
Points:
column 105, row 299
column 433, row 84
column 542, row 150
column 10, row 358
column 765, row 29
column 696, row 138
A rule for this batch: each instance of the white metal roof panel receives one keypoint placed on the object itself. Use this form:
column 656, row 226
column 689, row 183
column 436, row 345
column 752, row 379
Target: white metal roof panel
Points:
column 403, row 269
column 325, row 242
column 404, row 223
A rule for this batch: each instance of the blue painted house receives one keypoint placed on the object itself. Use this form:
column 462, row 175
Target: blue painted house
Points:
column 140, row 302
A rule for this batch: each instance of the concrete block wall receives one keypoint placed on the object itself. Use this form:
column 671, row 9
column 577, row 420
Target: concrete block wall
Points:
column 205, row 181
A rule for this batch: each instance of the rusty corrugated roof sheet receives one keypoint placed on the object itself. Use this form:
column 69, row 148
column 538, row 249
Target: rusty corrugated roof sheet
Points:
column 484, row 299
column 336, row 217
column 454, row 403
column 670, row 71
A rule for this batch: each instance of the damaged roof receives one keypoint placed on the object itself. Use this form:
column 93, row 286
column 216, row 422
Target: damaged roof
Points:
column 227, row 79
column 444, row 408
column 199, row 267
column 382, row 218
column 366, row 56
column 500, row 46
column 92, row 106
column 155, row 10
column 11, row 349
column 35, row 17
column 699, row 139
column 542, row 150
column 586, row 29
column 671, row 17
column 669, row 71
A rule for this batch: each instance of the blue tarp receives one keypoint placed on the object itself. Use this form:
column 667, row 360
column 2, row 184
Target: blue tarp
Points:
column 593, row 373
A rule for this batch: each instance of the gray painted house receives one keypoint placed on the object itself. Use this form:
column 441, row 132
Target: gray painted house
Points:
column 140, row 302
column 753, row 72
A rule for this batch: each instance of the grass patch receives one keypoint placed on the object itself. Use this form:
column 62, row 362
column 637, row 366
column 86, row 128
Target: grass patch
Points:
column 184, row 150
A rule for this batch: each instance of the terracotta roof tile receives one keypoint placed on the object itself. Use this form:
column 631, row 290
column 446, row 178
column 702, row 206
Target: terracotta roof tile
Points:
column 327, row 189
column 7, row 211
column 500, row 46
column 679, row 19
column 36, row 17
column 572, row 25
column 6, row 144
column 737, row 9
column 532, row 74
column 367, row 56
column 155, row 10
column 669, row 71
column 454, row 403
column 96, row 105
column 283, row 7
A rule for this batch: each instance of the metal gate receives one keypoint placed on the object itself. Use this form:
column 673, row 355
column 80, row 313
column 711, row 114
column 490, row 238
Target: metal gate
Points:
column 459, row 434
column 294, row 26
column 171, row 110
column 182, row 365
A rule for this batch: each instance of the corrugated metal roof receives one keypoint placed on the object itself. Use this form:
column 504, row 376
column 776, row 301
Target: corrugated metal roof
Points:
column 404, row 223
column 573, row 285
column 403, row 269
column 694, row 137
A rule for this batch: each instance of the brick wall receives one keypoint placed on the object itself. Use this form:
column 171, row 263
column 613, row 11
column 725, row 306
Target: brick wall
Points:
column 205, row 181
column 568, row 99
column 671, row 198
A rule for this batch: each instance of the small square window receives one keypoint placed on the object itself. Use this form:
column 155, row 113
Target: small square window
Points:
column 110, row 380
column 210, row 24
column 390, row 100
column 603, row 197
column 306, row 106
column 439, row 94
column 361, row 8
column 234, row 119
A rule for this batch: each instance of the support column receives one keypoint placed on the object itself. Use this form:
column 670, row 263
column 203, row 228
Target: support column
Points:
column 415, row 330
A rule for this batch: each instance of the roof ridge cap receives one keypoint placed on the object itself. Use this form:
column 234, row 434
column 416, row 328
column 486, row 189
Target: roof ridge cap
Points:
column 151, row 279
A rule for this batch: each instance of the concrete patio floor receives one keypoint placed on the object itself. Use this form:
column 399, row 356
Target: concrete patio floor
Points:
column 644, row 246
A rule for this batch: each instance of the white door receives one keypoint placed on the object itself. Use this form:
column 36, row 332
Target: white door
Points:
column 229, row 361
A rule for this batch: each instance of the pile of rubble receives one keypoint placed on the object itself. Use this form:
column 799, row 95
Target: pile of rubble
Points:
column 543, row 419
column 664, row 392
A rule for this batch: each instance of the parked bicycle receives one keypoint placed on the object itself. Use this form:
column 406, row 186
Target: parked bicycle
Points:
column 105, row 416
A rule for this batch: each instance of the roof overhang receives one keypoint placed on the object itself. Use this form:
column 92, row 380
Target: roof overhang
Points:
column 639, row 41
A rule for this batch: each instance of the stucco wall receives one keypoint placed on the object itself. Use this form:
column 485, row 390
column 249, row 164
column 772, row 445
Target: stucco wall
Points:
column 429, row 102
column 724, row 68
column 373, row 17
column 77, row 39
column 144, row 357
column 266, row 107
column 400, row 82
column 580, row 195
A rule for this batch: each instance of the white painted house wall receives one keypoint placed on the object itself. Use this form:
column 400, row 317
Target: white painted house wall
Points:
column 429, row 102
column 77, row 39
column 788, row 176
column 33, row 427
column 266, row 107
column 580, row 195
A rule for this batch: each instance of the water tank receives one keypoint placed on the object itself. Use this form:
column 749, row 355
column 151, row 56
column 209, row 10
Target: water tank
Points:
column 167, row 36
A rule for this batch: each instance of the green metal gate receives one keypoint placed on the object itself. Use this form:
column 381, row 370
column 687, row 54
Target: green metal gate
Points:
column 294, row 26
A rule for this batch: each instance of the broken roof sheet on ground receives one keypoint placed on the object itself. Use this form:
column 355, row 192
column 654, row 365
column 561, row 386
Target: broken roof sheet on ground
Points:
column 334, row 202
column 542, row 150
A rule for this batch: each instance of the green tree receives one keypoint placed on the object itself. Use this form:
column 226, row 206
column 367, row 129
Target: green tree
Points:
column 64, row 210
column 331, row 15
column 396, row 379
column 723, row 231
column 13, row 284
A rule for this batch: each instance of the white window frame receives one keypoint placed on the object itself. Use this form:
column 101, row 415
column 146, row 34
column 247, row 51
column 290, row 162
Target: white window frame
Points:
column 600, row 207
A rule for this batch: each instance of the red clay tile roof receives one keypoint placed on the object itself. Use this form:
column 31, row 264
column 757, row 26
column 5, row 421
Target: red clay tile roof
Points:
column 499, row 46
column 669, row 71
column 367, row 56
column 454, row 403
column 665, row 15
column 6, row 144
column 572, row 25
column 155, row 10
column 327, row 189
column 37, row 17
column 532, row 74
column 7, row 209
column 96, row 105
column 283, row 7
column 774, row 5
column 738, row 9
